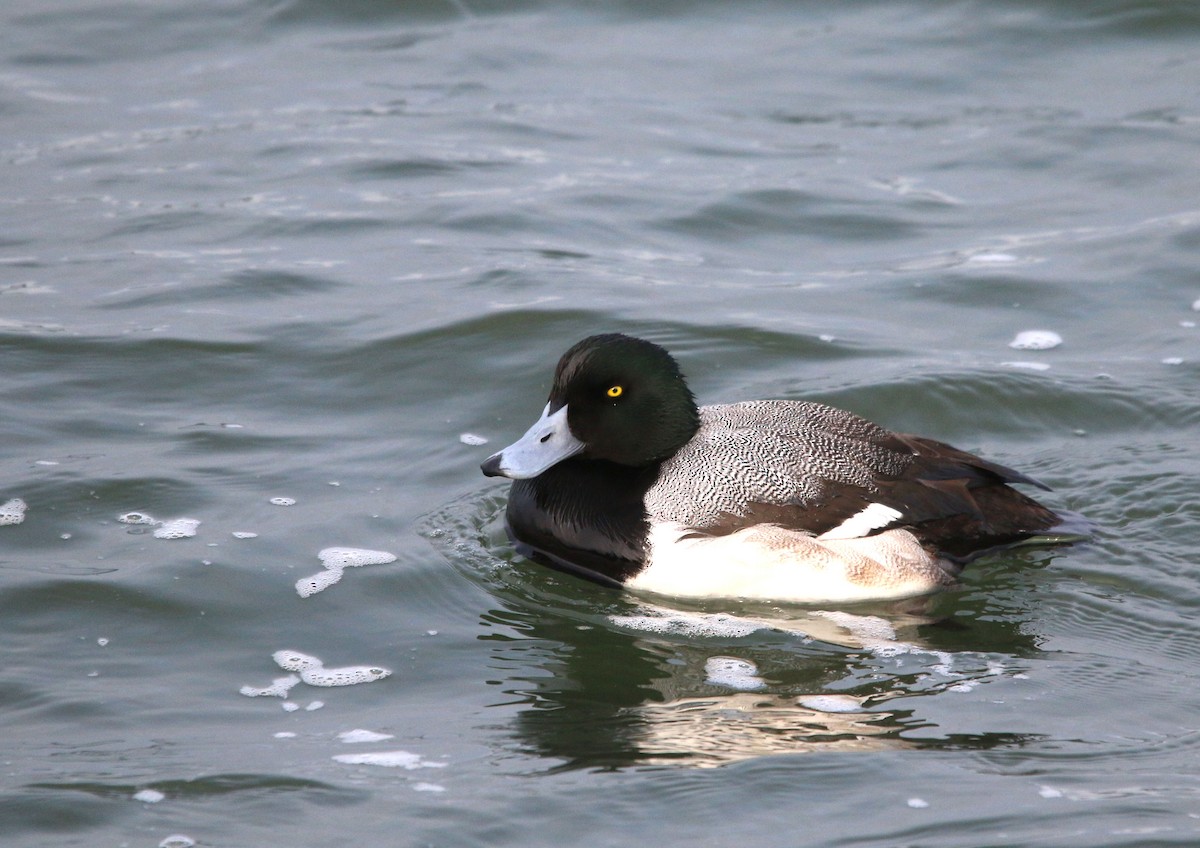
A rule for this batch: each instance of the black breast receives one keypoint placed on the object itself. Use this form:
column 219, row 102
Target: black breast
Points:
column 583, row 516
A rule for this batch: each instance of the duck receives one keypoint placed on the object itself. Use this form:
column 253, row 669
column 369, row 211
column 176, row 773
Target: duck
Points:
column 624, row 480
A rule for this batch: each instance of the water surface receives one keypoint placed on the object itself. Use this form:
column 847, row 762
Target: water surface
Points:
column 253, row 251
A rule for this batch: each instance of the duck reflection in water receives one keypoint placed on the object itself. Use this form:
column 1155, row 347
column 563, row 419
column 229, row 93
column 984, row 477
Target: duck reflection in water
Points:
column 646, row 685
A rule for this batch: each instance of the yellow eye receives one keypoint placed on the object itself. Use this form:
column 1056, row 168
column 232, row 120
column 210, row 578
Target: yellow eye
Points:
column 615, row 391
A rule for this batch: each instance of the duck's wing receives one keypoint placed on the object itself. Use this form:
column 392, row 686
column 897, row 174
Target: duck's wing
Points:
column 811, row 467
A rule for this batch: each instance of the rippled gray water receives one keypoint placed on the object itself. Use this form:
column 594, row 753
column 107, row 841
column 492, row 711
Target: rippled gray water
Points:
column 305, row 250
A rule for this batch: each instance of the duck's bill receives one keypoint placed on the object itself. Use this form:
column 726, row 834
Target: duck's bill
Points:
column 548, row 442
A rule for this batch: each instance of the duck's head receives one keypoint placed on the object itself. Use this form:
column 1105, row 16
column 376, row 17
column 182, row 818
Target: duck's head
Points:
column 614, row 398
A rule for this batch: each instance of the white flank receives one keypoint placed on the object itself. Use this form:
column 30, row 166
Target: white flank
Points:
column 767, row 562
column 875, row 516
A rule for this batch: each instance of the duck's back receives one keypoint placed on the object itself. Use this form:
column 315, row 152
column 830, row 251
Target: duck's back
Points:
column 811, row 467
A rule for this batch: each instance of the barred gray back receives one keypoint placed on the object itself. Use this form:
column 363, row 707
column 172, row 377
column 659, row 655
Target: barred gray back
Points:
column 769, row 452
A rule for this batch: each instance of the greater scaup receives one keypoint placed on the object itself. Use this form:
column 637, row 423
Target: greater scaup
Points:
column 625, row 481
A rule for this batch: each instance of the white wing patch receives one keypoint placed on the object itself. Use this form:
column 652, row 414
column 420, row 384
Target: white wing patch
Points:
column 875, row 516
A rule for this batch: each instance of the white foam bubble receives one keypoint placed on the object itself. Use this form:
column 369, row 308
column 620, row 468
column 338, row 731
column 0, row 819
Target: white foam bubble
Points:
column 284, row 734
column 1196, row 305
column 691, row 624
column 308, row 586
column 354, row 737
column 830, row 703
column 335, row 560
column 177, row 840
column 290, row 706
column 733, row 673
column 294, row 660
column 353, row 557
column 283, row 501
column 992, row 258
column 314, row 705
column 136, row 518
column 244, row 534
column 345, row 676
column 313, row 672
column 472, row 439
column 177, row 528
column 12, row 511
column 918, row 803
column 148, row 796
column 428, row 787
column 1049, row 792
column 389, row 759
column 279, row 688
column 1028, row 366
column 1173, row 360
column 1036, row 340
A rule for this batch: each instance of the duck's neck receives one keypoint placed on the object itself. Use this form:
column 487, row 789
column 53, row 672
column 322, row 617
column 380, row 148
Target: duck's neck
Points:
column 586, row 510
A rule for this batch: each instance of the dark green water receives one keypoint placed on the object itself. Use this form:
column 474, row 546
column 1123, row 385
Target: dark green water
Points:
column 310, row 250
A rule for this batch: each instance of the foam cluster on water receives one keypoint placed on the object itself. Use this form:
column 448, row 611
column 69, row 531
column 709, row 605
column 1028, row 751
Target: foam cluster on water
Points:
column 353, row 557
column 336, row 560
column 1036, row 340
column 389, row 759
column 279, row 688
column 175, row 528
column 306, row 587
column 346, row 676
column 314, row 673
column 690, row 624
column 12, row 511
column 311, row 670
column 733, row 673
column 295, row 661
column 358, row 735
